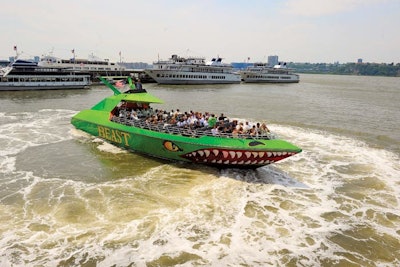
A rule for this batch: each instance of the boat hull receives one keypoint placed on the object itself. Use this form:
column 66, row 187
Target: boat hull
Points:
column 43, row 80
column 193, row 82
column 188, row 78
column 209, row 150
column 268, row 78
column 41, row 87
column 270, row 81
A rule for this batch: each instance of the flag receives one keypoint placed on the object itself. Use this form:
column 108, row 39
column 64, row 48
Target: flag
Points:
column 120, row 83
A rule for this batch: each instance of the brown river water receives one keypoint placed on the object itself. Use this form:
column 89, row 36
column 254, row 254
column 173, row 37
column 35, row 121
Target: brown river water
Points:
column 69, row 199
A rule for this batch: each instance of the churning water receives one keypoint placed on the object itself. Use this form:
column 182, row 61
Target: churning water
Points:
column 69, row 199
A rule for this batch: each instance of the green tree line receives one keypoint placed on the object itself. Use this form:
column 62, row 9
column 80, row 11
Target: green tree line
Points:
column 368, row 69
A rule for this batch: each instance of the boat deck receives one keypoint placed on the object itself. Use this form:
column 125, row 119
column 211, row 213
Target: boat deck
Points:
column 186, row 131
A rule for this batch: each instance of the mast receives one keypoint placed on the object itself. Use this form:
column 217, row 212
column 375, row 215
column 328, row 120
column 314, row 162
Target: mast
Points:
column 73, row 53
column 109, row 85
column 16, row 52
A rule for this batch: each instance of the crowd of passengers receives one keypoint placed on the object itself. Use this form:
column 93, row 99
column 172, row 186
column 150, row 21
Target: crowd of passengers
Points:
column 194, row 121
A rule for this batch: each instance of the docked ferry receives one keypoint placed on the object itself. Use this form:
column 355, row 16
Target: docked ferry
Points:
column 263, row 73
column 128, row 121
column 91, row 64
column 192, row 70
column 26, row 75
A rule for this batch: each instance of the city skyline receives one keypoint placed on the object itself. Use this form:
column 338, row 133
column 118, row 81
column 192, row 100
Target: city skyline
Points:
column 143, row 31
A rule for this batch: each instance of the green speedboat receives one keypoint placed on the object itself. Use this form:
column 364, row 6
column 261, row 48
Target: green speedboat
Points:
column 123, row 119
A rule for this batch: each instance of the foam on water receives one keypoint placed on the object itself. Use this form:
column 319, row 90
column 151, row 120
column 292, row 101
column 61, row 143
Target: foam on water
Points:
column 20, row 131
column 337, row 202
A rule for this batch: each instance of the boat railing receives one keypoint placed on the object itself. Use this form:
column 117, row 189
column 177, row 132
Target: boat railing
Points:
column 186, row 131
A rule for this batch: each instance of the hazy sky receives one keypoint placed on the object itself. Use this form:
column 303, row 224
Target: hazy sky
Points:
column 295, row 30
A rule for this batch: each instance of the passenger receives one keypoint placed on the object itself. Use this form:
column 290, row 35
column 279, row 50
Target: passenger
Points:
column 181, row 123
column 253, row 131
column 203, row 121
column 235, row 133
column 197, row 125
column 222, row 117
column 234, row 124
column 225, row 129
column 193, row 119
column 138, row 85
column 153, row 119
column 264, row 129
column 165, row 115
column 215, row 130
column 148, row 120
column 229, row 128
column 240, row 126
column 172, row 120
column 212, row 121
column 134, row 115
column 247, row 127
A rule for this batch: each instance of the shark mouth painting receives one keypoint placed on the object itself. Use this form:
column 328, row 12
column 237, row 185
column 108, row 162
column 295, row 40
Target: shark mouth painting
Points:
column 236, row 157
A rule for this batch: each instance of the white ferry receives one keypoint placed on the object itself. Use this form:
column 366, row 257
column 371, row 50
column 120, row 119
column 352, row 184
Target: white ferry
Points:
column 192, row 70
column 25, row 75
column 91, row 64
column 262, row 73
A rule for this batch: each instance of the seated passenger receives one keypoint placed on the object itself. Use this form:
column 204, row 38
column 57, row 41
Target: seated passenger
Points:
column 201, row 120
column 235, row 133
column 247, row 127
column 181, row 123
column 172, row 120
column 239, row 126
column 212, row 121
column 215, row 130
column 134, row 115
column 253, row 131
column 264, row 129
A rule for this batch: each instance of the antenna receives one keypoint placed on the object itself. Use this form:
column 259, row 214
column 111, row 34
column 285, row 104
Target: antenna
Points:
column 16, row 51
